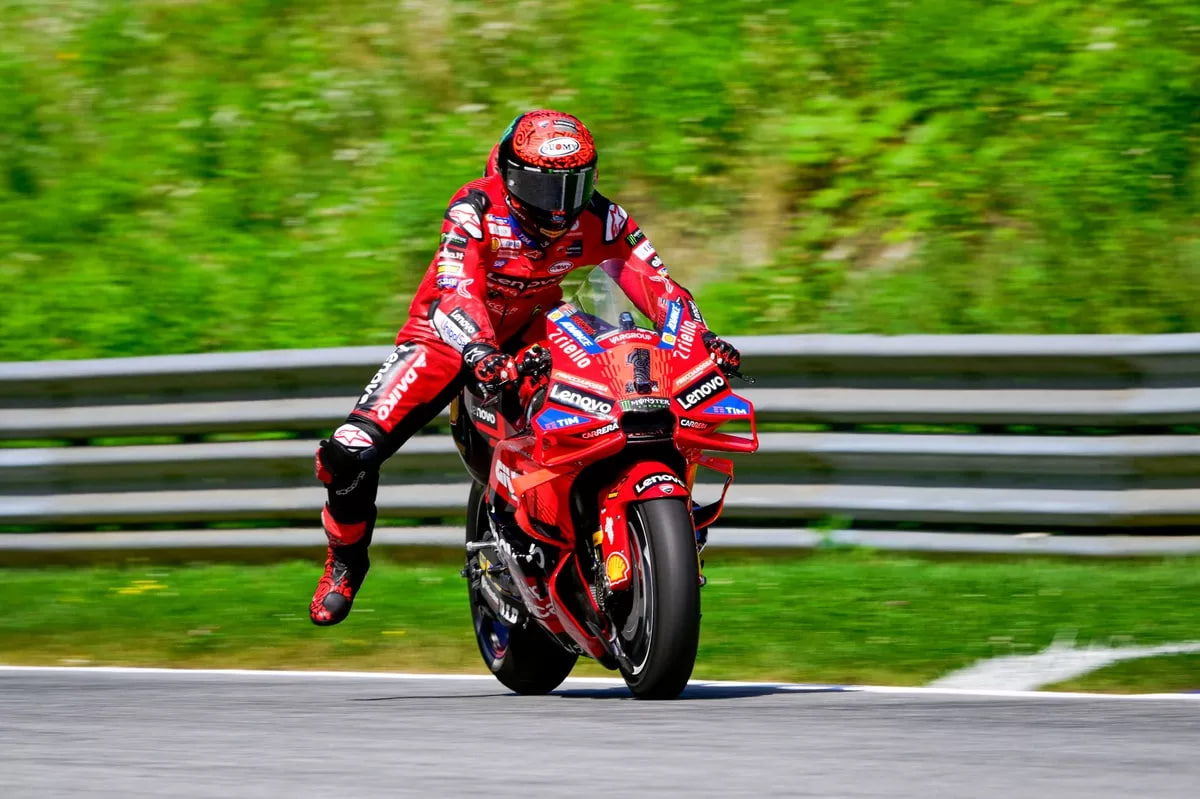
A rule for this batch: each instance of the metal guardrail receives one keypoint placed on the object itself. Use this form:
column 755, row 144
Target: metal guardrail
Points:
column 1123, row 409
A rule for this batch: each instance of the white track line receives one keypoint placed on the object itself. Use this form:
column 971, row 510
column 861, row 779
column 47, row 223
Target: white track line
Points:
column 579, row 682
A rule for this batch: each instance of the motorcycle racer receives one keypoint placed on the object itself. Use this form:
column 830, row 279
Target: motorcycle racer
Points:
column 508, row 239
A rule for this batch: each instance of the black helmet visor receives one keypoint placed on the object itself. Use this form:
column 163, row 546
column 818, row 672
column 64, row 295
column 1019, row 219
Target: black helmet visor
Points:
column 567, row 190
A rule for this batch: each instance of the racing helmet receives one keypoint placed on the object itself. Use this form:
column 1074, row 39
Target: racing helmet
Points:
column 547, row 161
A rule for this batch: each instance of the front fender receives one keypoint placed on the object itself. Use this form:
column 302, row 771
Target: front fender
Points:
column 636, row 482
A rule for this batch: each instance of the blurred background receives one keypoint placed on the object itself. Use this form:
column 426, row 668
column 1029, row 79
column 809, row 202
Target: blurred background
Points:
column 250, row 174
column 208, row 176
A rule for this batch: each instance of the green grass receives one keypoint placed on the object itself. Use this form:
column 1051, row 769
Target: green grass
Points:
column 249, row 174
column 1174, row 673
column 833, row 616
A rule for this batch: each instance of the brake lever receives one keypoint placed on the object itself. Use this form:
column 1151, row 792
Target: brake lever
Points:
column 745, row 378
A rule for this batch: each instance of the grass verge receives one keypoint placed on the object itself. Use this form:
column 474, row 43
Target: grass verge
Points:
column 829, row 616
column 1174, row 673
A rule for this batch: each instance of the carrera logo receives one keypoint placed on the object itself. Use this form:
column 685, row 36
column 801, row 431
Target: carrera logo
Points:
column 685, row 422
column 701, row 390
column 661, row 478
column 603, row 431
column 575, row 398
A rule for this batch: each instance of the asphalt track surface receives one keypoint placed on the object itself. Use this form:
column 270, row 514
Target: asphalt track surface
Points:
column 97, row 733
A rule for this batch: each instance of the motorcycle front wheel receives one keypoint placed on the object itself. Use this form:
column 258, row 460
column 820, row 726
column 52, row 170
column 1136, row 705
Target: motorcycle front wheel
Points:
column 525, row 659
column 659, row 626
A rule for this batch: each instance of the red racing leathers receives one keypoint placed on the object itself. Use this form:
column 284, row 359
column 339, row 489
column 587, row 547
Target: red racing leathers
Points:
column 488, row 283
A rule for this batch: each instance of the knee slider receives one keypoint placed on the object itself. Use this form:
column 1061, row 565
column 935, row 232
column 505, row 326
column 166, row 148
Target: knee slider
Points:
column 346, row 457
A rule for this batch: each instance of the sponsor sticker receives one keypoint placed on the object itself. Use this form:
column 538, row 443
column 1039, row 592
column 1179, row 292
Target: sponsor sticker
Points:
column 634, row 237
column 569, row 348
column 614, row 223
column 671, row 325
column 558, row 147
column 599, row 388
column 600, row 431
column 644, row 250
column 352, row 437
column 450, row 331
column 661, row 478
column 616, row 568
column 559, row 267
column 732, row 405
column 693, row 373
column 624, row 336
column 581, row 338
column 464, row 320
column 466, row 217
column 708, row 385
column 552, row 419
column 575, row 249
column 645, row 404
column 578, row 398
column 484, row 415
column 385, row 408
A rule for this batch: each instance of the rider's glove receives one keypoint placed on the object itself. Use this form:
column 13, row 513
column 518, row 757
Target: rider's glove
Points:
column 534, row 361
column 534, row 364
column 723, row 354
column 490, row 367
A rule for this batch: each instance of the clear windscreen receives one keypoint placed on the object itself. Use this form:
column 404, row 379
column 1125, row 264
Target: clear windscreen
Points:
column 595, row 293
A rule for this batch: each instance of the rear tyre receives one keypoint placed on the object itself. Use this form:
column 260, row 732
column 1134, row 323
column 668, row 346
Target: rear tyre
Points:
column 526, row 660
column 661, row 632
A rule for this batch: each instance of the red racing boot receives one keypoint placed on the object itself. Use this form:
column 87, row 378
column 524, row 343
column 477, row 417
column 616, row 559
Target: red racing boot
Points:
column 346, row 566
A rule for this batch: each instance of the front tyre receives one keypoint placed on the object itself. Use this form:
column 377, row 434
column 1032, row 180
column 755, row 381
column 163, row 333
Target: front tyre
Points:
column 661, row 632
column 526, row 660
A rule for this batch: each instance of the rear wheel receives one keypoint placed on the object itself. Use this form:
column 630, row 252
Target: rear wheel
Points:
column 525, row 659
column 661, row 631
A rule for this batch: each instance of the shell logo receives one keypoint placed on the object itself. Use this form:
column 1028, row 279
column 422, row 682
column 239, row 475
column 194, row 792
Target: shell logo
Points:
column 558, row 147
column 617, row 568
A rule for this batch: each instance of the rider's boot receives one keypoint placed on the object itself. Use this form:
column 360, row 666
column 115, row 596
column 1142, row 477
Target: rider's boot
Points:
column 346, row 565
column 348, row 465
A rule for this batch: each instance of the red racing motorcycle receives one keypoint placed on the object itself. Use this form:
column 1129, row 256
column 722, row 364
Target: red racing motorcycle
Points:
column 582, row 535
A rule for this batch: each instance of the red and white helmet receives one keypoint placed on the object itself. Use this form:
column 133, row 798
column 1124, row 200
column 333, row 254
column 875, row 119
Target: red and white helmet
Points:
column 547, row 160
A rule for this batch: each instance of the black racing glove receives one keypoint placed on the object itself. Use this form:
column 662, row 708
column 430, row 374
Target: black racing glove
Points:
column 491, row 368
column 534, row 361
column 723, row 354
